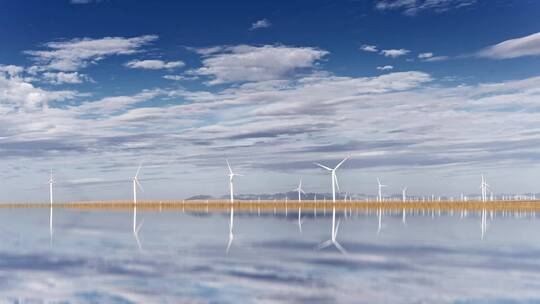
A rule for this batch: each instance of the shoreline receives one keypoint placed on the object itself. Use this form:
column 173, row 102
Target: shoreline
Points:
column 223, row 205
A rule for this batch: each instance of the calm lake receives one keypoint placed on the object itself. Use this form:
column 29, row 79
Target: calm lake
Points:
column 94, row 257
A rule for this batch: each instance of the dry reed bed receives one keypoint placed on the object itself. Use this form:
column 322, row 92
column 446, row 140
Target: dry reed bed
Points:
column 265, row 206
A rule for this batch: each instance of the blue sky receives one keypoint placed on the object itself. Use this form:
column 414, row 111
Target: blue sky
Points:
column 422, row 93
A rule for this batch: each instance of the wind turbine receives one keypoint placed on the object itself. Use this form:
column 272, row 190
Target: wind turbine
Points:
column 333, row 240
column 334, row 177
column 380, row 189
column 484, row 187
column 136, row 227
column 231, row 179
column 300, row 191
column 335, row 228
column 231, row 186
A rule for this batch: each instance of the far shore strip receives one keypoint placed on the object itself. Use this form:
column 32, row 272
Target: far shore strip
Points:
column 263, row 205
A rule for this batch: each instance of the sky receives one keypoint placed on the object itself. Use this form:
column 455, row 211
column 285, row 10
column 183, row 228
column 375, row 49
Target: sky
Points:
column 424, row 94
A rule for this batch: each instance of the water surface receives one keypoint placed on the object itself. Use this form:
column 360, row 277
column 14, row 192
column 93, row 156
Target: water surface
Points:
column 94, row 257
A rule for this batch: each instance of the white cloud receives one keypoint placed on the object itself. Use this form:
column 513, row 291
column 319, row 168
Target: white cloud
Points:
column 179, row 77
column 109, row 105
column 385, row 68
column 154, row 64
column 430, row 57
column 75, row 54
column 64, row 77
column 394, row 53
column 413, row 7
column 513, row 48
column 11, row 70
column 263, row 23
column 369, row 48
column 246, row 63
column 436, row 58
column 18, row 95
column 407, row 124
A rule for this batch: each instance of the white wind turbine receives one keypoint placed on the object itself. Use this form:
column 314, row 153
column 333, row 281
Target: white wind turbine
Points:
column 136, row 227
column 333, row 240
column 231, row 187
column 231, row 179
column 335, row 228
column 379, row 198
column 300, row 192
column 334, row 177
column 484, row 187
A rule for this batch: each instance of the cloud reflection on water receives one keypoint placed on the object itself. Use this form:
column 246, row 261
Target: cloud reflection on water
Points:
column 94, row 259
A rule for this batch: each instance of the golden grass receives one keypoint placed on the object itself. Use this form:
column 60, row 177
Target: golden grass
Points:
column 266, row 206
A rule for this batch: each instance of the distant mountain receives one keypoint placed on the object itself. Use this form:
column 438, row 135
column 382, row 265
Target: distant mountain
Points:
column 200, row 197
column 292, row 195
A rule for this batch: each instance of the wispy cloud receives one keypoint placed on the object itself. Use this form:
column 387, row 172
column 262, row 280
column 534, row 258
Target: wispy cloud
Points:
column 513, row 48
column 75, row 54
column 16, row 94
column 263, row 23
column 413, row 7
column 179, row 77
column 430, row 57
column 369, row 48
column 65, row 77
column 154, row 64
column 385, row 68
column 394, row 53
column 246, row 63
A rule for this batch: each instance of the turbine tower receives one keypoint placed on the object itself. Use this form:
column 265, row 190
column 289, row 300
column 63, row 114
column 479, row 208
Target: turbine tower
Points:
column 334, row 177
column 51, row 182
column 379, row 198
column 231, row 226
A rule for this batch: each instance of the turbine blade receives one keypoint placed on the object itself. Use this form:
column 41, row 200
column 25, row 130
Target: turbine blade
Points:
column 337, row 184
column 139, row 226
column 229, row 165
column 337, row 228
column 138, row 241
column 323, row 245
column 341, row 163
column 139, row 184
column 138, row 170
column 378, row 181
column 340, row 248
column 230, row 243
column 322, row 166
